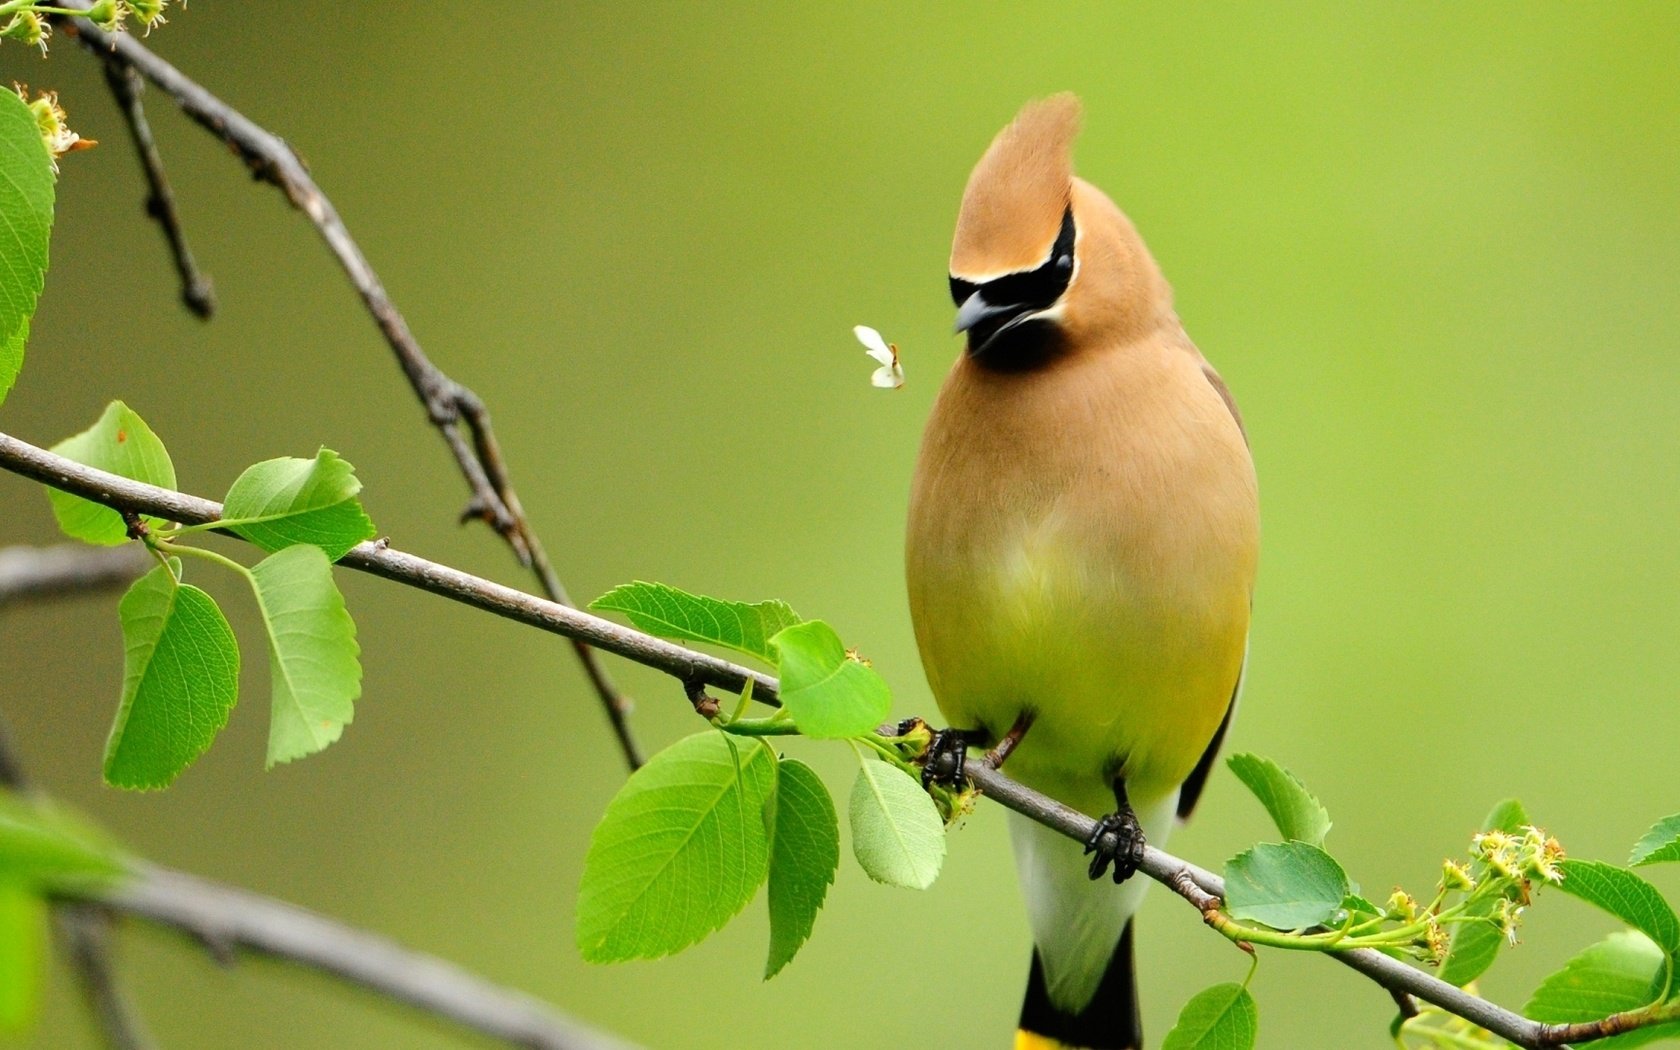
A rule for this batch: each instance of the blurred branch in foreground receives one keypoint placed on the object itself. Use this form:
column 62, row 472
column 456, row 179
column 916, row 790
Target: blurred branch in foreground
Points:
column 457, row 413
column 83, row 932
column 224, row 919
column 33, row 573
column 1202, row 889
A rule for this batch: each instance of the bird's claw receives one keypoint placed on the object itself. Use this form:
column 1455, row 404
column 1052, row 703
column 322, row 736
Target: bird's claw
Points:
column 946, row 759
column 1117, row 839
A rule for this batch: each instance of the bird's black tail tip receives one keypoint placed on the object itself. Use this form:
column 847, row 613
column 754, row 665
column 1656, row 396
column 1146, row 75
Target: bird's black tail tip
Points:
column 1110, row 1021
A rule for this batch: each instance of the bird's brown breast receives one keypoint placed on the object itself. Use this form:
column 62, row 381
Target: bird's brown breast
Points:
column 1082, row 541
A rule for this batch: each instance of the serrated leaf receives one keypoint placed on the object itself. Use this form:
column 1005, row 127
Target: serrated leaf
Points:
column 829, row 693
column 1223, row 1017
column 313, row 655
column 119, row 443
column 26, row 214
column 804, row 855
column 1626, row 896
column 897, row 834
column 43, row 845
column 1625, row 971
column 670, row 613
column 1286, row 885
column 680, row 850
column 280, row 502
column 1296, row 812
column 1661, row 843
column 180, row 681
column 23, row 942
column 1475, row 944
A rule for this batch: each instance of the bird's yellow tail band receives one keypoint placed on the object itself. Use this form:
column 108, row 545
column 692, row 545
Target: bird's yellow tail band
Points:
column 1025, row 1040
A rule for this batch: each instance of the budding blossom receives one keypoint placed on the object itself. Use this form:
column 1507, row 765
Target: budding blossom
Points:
column 28, row 27
column 53, row 124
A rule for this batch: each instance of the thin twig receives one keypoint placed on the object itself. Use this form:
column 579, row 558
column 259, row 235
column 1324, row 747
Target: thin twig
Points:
column 1196, row 885
column 225, row 919
column 197, row 292
column 458, row 414
column 84, row 934
column 28, row 573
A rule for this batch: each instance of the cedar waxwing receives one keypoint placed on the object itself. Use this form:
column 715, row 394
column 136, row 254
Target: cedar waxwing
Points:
column 1081, row 552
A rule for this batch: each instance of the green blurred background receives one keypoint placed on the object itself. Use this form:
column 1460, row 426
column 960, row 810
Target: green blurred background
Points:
column 1436, row 254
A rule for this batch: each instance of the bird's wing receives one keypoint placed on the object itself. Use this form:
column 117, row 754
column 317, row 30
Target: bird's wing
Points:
column 1191, row 791
column 1225, row 396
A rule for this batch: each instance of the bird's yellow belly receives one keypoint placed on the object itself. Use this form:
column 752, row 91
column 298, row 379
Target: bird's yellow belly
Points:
column 1125, row 664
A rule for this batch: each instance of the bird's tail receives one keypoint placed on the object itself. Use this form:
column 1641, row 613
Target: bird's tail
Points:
column 1109, row 1021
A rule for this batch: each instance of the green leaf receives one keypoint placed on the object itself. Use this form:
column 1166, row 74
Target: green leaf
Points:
column 897, row 834
column 26, row 214
column 670, row 613
column 1297, row 814
column 1626, row 896
column 43, row 845
column 1625, row 971
column 1661, row 843
column 312, row 652
column 1475, row 944
column 804, row 854
column 1358, row 909
column 681, row 849
column 829, row 693
column 119, row 443
column 1508, row 816
column 23, row 942
column 1223, row 1017
column 1286, row 885
column 180, row 681
column 279, row 502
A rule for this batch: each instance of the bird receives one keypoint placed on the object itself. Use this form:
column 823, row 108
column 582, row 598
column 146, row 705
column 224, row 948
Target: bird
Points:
column 1080, row 555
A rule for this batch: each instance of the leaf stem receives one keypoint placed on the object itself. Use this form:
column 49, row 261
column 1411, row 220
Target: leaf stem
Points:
column 208, row 555
column 741, row 704
column 756, row 727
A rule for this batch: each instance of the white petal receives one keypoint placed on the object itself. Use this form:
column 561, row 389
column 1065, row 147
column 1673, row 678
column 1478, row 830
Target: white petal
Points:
column 873, row 343
column 887, row 377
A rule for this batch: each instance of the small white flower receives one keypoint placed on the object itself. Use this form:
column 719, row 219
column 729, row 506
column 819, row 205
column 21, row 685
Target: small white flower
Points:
column 891, row 374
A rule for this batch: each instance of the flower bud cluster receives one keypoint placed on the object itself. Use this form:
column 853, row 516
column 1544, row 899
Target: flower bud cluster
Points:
column 54, row 126
column 27, row 25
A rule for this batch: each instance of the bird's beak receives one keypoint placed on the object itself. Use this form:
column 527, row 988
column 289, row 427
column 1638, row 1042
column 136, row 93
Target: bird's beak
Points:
column 976, row 309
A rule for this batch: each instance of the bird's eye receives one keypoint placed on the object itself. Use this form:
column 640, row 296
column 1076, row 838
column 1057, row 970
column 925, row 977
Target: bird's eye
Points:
column 1064, row 263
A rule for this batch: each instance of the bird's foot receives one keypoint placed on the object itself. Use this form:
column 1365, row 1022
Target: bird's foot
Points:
column 1118, row 840
column 946, row 759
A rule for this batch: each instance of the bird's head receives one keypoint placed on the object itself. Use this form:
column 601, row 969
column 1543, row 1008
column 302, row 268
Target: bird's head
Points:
column 1042, row 260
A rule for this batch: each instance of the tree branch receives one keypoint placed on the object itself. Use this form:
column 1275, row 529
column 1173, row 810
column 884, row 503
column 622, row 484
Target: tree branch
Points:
column 28, row 573
column 458, row 414
column 1196, row 885
column 374, row 557
column 225, row 919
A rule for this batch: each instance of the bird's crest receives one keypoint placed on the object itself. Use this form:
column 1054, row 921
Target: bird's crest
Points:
column 1013, row 206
